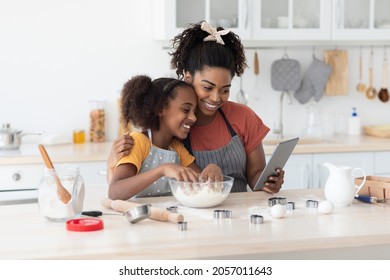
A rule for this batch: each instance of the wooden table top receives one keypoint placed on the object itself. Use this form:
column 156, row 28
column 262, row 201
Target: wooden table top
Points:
column 303, row 233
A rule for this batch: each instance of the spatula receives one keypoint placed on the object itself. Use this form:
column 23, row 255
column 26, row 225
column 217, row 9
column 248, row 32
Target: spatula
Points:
column 62, row 193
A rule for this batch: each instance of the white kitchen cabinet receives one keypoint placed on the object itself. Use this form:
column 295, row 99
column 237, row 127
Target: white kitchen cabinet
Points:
column 305, row 171
column 298, row 172
column 382, row 164
column 280, row 20
column 16, row 177
column 291, row 20
column 361, row 20
column 170, row 17
column 27, row 176
column 364, row 160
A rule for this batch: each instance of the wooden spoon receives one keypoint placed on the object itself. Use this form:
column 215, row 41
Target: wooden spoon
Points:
column 62, row 193
column 383, row 94
column 256, row 70
column 360, row 86
column 371, row 91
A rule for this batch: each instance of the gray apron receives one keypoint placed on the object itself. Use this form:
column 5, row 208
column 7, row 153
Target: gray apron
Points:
column 231, row 158
column 156, row 157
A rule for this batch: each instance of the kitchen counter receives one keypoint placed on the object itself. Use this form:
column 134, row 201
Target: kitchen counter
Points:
column 29, row 154
column 359, row 231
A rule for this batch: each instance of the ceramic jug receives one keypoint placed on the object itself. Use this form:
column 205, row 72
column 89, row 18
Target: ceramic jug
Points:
column 339, row 187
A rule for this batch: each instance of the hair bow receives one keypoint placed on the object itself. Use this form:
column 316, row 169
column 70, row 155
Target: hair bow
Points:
column 214, row 34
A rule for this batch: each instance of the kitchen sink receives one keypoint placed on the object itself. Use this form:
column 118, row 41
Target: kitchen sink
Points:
column 302, row 141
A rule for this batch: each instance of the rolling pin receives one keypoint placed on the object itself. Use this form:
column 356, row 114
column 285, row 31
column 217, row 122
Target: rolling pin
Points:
column 155, row 213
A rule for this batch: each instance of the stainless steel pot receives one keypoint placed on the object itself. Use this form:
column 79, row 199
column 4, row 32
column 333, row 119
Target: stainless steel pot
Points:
column 11, row 139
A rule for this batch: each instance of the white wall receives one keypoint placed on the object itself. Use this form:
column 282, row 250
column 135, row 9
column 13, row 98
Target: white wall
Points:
column 55, row 56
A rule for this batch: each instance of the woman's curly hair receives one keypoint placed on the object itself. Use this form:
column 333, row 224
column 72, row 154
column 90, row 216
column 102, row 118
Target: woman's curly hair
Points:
column 190, row 53
column 142, row 100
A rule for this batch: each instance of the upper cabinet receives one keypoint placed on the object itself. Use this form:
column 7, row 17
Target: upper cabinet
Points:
column 284, row 20
column 170, row 17
column 291, row 19
column 361, row 19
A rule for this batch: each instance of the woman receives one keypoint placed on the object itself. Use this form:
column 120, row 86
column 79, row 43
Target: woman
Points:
column 225, row 133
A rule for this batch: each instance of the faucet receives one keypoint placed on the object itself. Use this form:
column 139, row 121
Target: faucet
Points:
column 279, row 129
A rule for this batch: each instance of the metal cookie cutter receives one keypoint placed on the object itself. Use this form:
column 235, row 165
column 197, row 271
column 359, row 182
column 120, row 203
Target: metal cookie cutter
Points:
column 172, row 209
column 290, row 205
column 138, row 213
column 182, row 225
column 222, row 214
column 276, row 200
column 311, row 203
column 257, row 219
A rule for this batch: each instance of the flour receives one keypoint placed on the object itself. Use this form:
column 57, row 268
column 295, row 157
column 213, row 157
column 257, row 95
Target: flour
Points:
column 54, row 209
column 200, row 195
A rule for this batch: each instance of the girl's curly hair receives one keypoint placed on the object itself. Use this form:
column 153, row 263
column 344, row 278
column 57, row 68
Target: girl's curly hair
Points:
column 142, row 100
column 190, row 53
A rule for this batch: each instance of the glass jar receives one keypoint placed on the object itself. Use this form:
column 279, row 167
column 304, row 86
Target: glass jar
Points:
column 78, row 136
column 97, row 116
column 50, row 206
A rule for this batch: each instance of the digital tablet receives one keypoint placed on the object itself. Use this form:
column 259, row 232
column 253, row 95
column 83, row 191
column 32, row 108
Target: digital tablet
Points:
column 277, row 160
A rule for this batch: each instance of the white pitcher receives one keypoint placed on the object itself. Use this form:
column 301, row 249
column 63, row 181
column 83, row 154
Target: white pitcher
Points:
column 339, row 187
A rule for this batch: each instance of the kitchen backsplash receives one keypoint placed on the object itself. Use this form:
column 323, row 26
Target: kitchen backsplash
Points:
column 53, row 61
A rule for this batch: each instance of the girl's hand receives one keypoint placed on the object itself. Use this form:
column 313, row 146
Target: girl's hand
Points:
column 212, row 172
column 120, row 148
column 179, row 172
column 274, row 183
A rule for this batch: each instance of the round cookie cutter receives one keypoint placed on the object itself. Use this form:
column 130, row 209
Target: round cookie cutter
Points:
column 222, row 214
column 277, row 200
column 310, row 203
column 138, row 213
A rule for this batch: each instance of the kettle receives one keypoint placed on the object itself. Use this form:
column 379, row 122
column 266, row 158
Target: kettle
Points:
column 339, row 187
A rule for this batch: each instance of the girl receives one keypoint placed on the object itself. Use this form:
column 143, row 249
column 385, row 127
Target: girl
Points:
column 165, row 111
column 229, row 133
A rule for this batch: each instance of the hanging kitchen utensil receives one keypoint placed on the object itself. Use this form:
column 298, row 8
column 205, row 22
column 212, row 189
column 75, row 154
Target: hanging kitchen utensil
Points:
column 383, row 93
column 285, row 74
column 338, row 80
column 371, row 91
column 361, row 87
column 62, row 193
column 242, row 97
column 256, row 66
column 256, row 70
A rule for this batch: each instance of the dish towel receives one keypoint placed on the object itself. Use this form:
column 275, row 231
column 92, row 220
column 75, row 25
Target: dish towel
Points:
column 314, row 81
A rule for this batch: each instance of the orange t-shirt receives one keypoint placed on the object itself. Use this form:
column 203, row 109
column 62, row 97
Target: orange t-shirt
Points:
column 248, row 126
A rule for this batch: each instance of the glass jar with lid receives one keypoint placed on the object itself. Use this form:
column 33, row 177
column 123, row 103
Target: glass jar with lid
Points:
column 97, row 116
column 50, row 205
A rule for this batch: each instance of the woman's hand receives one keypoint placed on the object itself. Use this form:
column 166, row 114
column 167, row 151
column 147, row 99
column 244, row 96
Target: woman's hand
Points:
column 212, row 172
column 274, row 183
column 120, row 148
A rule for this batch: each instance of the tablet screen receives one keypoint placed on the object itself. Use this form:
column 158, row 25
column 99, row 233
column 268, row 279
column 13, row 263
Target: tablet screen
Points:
column 277, row 160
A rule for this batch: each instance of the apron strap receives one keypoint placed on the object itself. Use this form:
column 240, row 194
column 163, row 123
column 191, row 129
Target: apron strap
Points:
column 187, row 142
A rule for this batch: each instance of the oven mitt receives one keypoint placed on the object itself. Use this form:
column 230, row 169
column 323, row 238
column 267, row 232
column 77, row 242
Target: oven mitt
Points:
column 285, row 74
column 314, row 81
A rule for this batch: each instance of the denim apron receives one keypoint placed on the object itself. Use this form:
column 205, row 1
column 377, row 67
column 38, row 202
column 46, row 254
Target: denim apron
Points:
column 156, row 157
column 231, row 158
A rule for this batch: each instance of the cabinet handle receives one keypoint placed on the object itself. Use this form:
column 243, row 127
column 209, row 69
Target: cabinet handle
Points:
column 16, row 176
